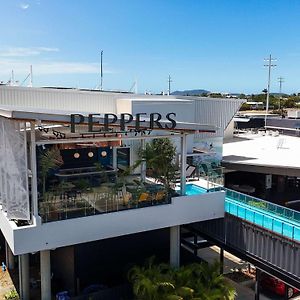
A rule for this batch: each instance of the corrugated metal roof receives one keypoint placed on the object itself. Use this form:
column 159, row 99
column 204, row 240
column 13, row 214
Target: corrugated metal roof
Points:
column 214, row 111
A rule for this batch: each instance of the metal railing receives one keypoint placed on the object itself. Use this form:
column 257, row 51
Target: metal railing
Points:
column 55, row 209
column 272, row 208
column 282, row 220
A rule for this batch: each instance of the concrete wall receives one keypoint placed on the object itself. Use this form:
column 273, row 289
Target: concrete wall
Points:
column 108, row 261
column 182, row 210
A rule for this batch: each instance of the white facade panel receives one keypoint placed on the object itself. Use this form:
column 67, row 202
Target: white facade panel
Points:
column 73, row 100
column 215, row 111
column 184, row 109
column 13, row 171
column 182, row 210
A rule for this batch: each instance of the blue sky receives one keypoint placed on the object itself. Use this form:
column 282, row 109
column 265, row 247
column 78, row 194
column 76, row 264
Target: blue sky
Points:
column 215, row 45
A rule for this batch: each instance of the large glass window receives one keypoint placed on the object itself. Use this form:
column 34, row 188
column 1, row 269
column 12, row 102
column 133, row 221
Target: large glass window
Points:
column 123, row 158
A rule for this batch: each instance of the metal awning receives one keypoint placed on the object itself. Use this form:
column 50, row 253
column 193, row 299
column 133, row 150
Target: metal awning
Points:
column 63, row 117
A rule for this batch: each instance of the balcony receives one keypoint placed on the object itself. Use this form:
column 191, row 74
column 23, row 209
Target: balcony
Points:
column 81, row 198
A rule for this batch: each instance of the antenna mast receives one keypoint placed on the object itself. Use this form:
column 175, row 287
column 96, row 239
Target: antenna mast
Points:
column 30, row 82
column 101, row 71
column 169, row 85
column 12, row 82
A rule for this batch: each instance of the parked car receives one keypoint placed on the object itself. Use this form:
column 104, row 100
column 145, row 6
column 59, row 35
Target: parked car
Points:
column 276, row 286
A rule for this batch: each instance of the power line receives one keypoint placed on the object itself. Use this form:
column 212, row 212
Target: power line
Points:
column 269, row 65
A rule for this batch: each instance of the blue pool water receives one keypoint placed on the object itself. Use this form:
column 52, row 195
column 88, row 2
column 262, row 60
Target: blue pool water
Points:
column 253, row 214
column 192, row 189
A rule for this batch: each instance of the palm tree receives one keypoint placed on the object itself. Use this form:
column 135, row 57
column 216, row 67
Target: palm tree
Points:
column 49, row 160
column 191, row 282
column 208, row 283
column 159, row 155
column 151, row 281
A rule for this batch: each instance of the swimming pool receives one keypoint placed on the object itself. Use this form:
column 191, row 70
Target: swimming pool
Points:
column 192, row 189
column 252, row 213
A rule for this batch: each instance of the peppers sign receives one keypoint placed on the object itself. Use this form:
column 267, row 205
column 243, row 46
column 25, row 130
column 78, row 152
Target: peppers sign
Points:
column 125, row 119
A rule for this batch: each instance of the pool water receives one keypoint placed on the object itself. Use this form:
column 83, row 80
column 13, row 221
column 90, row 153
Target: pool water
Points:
column 264, row 218
column 192, row 189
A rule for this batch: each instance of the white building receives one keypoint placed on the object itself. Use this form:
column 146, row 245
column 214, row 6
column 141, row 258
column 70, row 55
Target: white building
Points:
column 71, row 203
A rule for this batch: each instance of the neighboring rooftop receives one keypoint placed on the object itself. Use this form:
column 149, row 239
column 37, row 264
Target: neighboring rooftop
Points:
column 270, row 154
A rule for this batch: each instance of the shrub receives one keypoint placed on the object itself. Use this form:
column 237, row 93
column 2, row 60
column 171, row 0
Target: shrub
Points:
column 12, row 295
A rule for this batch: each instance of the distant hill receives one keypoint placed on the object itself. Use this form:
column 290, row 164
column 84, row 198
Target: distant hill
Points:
column 190, row 92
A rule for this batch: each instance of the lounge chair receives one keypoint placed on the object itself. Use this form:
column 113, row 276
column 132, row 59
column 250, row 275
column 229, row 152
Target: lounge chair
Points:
column 190, row 171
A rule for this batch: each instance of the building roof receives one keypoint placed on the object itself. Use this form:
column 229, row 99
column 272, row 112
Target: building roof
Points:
column 263, row 154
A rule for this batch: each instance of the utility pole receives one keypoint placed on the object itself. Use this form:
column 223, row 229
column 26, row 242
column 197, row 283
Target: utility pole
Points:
column 280, row 80
column 101, row 71
column 169, row 84
column 269, row 65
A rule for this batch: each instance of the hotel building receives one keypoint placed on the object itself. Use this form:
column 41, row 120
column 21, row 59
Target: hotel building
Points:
column 67, row 175
column 76, row 193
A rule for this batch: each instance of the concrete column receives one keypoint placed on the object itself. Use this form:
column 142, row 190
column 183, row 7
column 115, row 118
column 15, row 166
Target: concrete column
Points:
column 33, row 167
column 175, row 246
column 24, row 277
column 45, row 275
column 183, row 165
column 10, row 259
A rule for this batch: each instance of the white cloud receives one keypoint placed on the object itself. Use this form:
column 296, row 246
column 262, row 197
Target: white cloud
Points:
column 24, row 6
column 48, row 68
column 23, row 51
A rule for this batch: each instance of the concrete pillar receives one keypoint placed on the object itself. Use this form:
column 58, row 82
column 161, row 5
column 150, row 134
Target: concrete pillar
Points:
column 24, row 277
column 183, row 164
column 33, row 167
column 10, row 259
column 221, row 260
column 45, row 275
column 175, row 246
